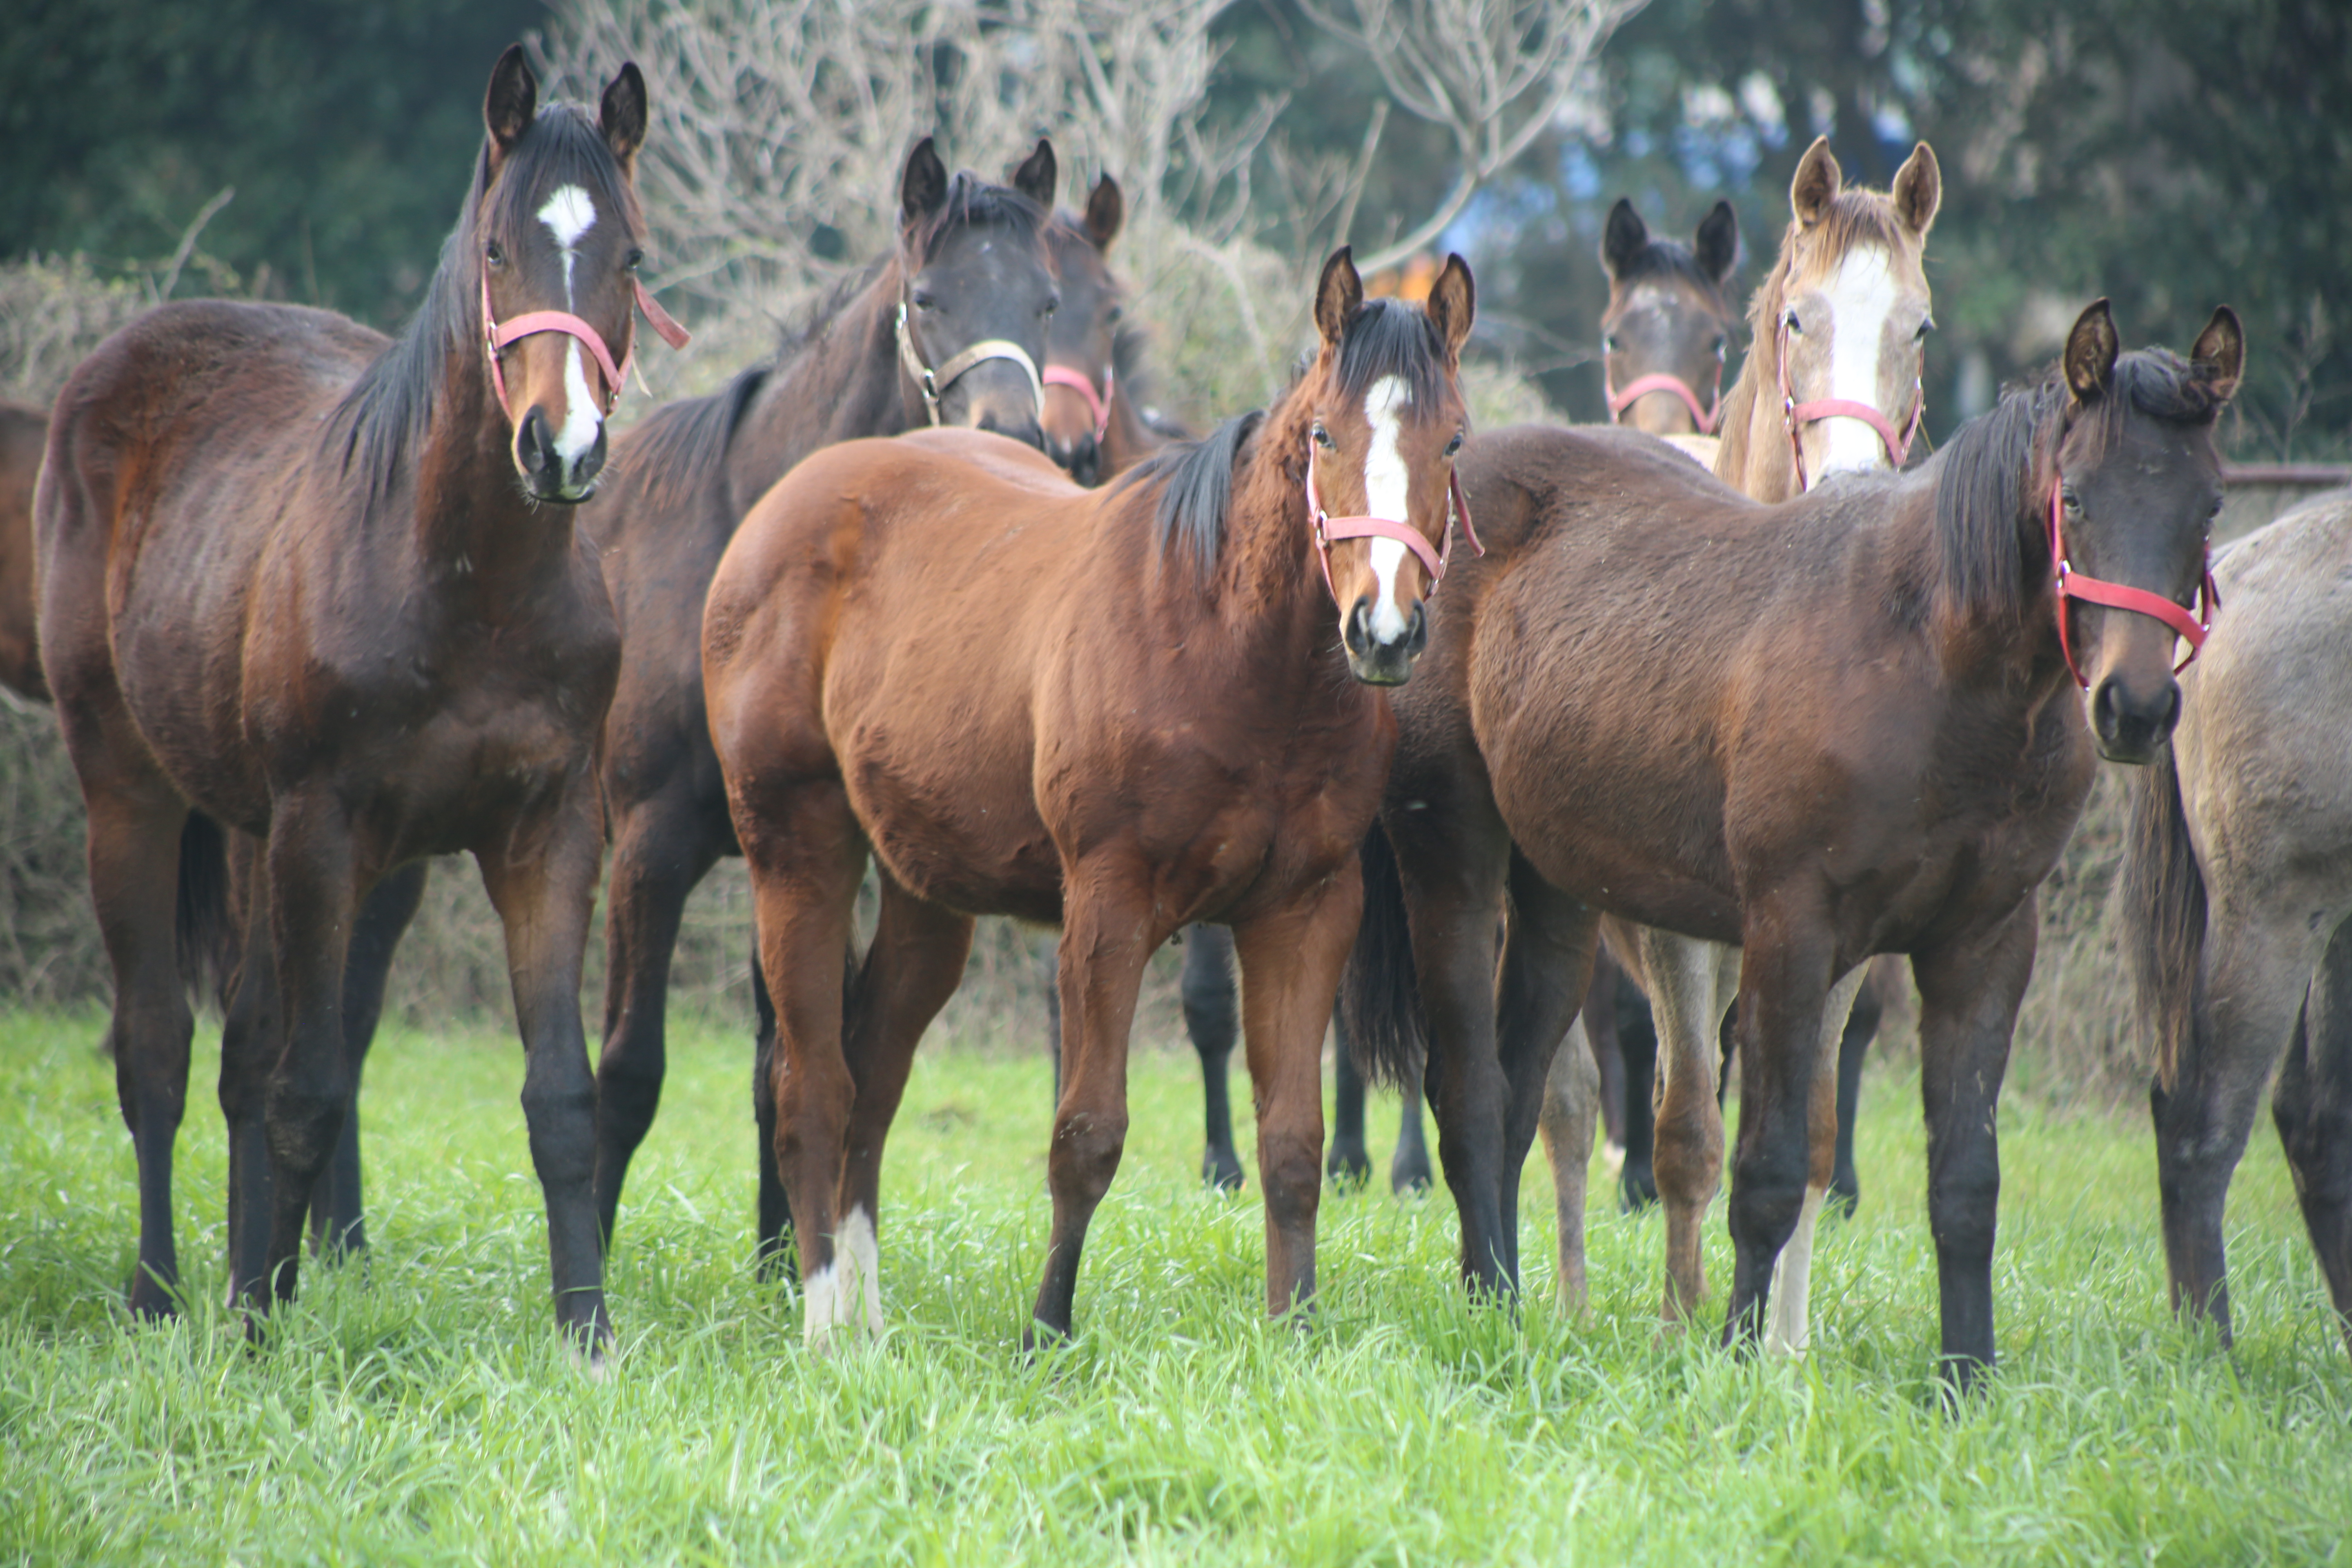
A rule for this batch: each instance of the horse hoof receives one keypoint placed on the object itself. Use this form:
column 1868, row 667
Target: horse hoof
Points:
column 1348, row 1168
column 1637, row 1189
column 1408, row 1177
column 1221, row 1170
column 1845, row 1194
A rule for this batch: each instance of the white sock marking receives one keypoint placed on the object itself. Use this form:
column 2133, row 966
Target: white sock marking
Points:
column 1386, row 492
column 852, row 1280
column 1789, row 1329
column 1861, row 297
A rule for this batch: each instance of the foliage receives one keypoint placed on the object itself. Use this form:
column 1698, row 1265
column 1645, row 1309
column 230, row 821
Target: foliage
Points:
column 421, row 1410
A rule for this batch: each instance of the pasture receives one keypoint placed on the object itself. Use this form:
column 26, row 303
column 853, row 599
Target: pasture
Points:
column 419, row 1409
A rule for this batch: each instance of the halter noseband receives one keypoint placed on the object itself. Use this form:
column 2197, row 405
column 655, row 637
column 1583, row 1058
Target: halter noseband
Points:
column 934, row 384
column 1800, row 415
column 2073, row 584
column 1621, row 399
column 1330, row 530
column 498, row 335
column 1098, row 403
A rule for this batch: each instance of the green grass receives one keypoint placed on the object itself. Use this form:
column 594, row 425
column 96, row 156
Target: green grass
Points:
column 420, row 1408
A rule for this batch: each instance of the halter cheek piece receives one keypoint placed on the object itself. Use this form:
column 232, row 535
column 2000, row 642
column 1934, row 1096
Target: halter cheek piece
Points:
column 1800, row 415
column 934, row 384
column 1330, row 530
column 498, row 335
column 1622, row 398
column 2073, row 584
column 1098, row 403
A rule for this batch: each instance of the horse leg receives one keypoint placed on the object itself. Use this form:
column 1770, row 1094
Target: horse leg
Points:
column 775, row 1210
column 338, row 1226
column 2258, row 967
column 1688, row 981
column 1350, row 1162
column 806, row 856
column 910, row 970
column 1290, row 960
column 2313, row 1108
column 661, row 852
column 1211, row 1020
column 1106, row 939
column 541, row 878
column 1636, row 1028
column 1409, row 1166
column 1968, row 994
column 1600, row 1016
column 1861, row 1025
column 253, row 1033
column 1787, row 1330
column 1547, row 973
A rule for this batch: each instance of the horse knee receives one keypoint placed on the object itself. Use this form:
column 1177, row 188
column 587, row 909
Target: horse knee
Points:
column 1687, row 1158
column 1086, row 1153
column 1290, row 1170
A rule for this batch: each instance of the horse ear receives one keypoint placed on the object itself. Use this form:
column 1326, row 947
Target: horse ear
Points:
column 1106, row 210
column 1817, row 183
column 1622, row 239
column 1453, row 304
column 1718, row 249
column 1918, row 190
column 2220, row 351
column 512, row 101
column 923, row 188
column 1338, row 297
column 2091, row 350
column 1038, row 174
column 622, row 116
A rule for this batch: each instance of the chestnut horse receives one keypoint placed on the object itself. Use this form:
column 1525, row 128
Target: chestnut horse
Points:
column 1834, row 727
column 1122, row 710
column 2237, row 900
column 23, row 432
column 331, row 593
column 1831, row 382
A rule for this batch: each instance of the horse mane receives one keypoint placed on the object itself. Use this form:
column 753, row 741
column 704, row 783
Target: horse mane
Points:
column 385, row 416
column 1669, row 258
column 974, row 203
column 1994, row 473
column 1388, row 337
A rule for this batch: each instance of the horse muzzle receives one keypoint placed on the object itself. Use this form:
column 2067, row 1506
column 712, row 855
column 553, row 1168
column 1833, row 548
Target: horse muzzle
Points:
column 2130, row 725
column 1378, row 662
column 546, row 472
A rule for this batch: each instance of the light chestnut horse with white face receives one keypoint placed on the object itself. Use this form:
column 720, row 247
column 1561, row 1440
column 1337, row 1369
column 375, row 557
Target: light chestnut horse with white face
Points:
column 1832, row 385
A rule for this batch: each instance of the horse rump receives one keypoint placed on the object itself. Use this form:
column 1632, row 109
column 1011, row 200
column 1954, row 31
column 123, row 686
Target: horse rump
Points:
column 2162, row 894
column 1380, row 991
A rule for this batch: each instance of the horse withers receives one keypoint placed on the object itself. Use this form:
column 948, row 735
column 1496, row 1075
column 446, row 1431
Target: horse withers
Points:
column 1122, row 710
column 1843, row 725
column 2236, row 903
column 330, row 593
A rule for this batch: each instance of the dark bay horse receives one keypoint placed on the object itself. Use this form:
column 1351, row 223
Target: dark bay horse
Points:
column 1831, row 384
column 971, row 279
column 2237, row 900
column 1839, row 726
column 1667, row 324
column 329, row 595
column 1122, row 710
column 1092, row 427
column 23, row 433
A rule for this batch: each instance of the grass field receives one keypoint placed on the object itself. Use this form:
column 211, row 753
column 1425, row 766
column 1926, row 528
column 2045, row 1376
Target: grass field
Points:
column 420, row 1409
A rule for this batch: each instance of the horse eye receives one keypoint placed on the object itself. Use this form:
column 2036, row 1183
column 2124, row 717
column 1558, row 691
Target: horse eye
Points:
column 494, row 255
column 2066, row 494
column 1925, row 328
column 1718, row 347
column 923, row 301
column 637, row 258
column 1113, row 316
column 1795, row 325
column 1053, row 303
column 1454, row 446
column 1609, row 343
column 1322, row 437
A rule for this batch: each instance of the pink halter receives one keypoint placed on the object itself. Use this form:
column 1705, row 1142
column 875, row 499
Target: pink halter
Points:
column 1330, row 530
column 1098, row 403
column 2073, row 584
column 1621, row 399
column 497, row 335
column 1800, row 415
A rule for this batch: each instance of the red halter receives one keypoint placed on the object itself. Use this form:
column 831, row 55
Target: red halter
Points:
column 496, row 336
column 1330, row 530
column 1659, row 381
column 2073, row 584
column 1800, row 415
column 1098, row 403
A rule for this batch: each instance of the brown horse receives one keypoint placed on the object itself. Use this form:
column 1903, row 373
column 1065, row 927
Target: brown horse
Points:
column 971, row 281
column 1118, row 709
column 24, row 433
column 1836, row 727
column 1095, row 425
column 2237, row 898
column 1667, row 324
column 1838, row 327
column 330, row 593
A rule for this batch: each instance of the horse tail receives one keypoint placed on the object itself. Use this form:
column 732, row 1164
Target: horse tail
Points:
column 1379, row 992
column 2162, row 892
column 206, row 923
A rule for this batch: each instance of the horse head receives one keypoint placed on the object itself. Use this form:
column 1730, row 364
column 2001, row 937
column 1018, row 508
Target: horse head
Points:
column 558, row 236
column 1663, row 334
column 977, row 294
column 1849, row 313
column 1385, row 417
column 1080, row 381
column 2131, row 493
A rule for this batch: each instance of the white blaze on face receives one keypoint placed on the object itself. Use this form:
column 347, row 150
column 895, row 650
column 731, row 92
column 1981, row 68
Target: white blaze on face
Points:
column 568, row 214
column 1385, row 495
column 1861, row 294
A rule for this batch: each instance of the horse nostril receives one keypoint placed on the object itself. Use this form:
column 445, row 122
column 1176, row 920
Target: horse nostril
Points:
column 535, row 443
column 1358, row 634
column 1416, row 631
column 592, row 462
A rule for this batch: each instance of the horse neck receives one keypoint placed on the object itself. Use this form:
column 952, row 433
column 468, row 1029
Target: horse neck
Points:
column 1754, row 458
column 1268, row 582
column 1128, row 440
column 839, row 383
column 475, row 529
